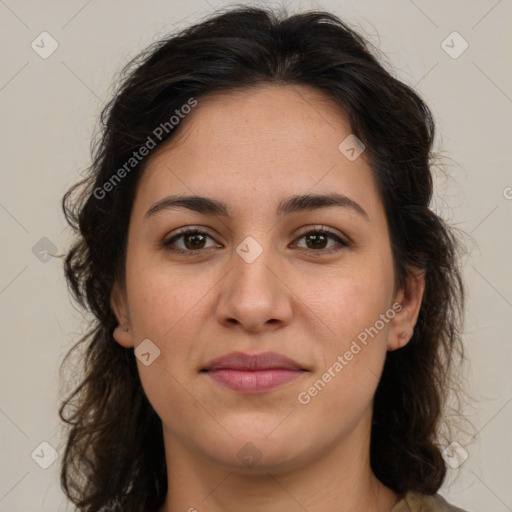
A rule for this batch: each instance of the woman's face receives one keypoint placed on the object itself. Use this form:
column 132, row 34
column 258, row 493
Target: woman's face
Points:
column 262, row 279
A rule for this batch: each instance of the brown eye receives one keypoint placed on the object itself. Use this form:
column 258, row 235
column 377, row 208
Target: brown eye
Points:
column 317, row 240
column 191, row 241
column 194, row 241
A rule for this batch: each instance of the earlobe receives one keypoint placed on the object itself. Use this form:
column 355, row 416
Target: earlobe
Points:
column 403, row 339
column 118, row 304
column 123, row 336
column 410, row 298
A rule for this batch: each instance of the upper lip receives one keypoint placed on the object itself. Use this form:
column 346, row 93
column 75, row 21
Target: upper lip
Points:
column 244, row 361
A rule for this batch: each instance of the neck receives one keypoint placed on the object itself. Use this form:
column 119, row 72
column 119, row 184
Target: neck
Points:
column 338, row 480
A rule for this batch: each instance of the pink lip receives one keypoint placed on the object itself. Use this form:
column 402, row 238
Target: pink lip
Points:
column 253, row 381
column 250, row 373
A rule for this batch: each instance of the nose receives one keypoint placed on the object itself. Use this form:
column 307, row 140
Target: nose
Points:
column 253, row 296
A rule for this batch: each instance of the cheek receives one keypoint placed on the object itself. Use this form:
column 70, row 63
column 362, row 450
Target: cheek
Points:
column 170, row 307
column 161, row 299
column 347, row 300
column 353, row 352
column 165, row 308
column 353, row 349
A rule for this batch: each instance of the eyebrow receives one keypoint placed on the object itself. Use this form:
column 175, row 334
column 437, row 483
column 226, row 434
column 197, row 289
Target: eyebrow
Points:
column 293, row 204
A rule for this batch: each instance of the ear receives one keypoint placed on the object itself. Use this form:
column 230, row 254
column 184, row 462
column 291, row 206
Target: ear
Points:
column 119, row 304
column 410, row 298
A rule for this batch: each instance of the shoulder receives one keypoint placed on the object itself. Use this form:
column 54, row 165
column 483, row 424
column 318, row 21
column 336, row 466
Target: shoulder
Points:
column 416, row 502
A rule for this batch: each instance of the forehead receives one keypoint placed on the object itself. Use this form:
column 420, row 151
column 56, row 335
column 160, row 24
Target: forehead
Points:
column 267, row 142
column 277, row 116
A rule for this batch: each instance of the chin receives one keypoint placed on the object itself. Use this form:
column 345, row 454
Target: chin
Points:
column 253, row 451
column 257, row 458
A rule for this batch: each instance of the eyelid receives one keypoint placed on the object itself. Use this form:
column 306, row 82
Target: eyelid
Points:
column 342, row 240
column 187, row 230
column 321, row 228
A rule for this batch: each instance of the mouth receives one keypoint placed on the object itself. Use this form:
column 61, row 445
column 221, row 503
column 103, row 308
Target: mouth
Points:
column 250, row 373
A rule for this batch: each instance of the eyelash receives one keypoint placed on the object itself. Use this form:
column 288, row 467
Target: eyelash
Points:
column 195, row 231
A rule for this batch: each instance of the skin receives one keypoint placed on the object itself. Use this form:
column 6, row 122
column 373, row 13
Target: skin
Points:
column 251, row 149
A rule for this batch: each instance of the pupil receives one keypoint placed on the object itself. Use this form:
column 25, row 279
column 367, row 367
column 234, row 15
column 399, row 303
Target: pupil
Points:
column 194, row 237
column 317, row 238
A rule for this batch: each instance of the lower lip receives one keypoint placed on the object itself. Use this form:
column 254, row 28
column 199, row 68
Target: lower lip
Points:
column 253, row 381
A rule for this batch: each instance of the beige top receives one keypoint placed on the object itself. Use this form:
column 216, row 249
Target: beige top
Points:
column 415, row 502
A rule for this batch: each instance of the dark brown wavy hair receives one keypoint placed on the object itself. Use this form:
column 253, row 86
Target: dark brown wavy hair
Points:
column 114, row 455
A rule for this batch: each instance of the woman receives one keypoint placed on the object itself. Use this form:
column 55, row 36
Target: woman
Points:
column 277, row 310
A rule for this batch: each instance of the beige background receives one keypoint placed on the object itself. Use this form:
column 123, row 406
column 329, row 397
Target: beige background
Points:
column 49, row 109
